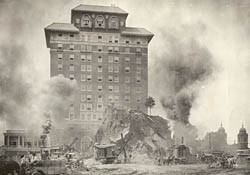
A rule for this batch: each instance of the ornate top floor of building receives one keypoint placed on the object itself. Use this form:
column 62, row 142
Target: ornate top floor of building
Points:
column 100, row 9
column 91, row 18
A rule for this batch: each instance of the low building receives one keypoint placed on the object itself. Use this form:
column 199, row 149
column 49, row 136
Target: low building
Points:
column 19, row 142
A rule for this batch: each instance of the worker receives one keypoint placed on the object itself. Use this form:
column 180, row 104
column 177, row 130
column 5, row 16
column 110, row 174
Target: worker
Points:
column 33, row 158
column 23, row 165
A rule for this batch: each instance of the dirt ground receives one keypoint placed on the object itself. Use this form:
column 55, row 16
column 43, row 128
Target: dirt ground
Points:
column 135, row 169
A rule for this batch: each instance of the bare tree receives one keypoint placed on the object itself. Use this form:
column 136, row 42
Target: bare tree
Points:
column 150, row 103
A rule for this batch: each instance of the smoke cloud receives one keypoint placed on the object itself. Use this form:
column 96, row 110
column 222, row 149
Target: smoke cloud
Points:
column 182, row 68
column 26, row 93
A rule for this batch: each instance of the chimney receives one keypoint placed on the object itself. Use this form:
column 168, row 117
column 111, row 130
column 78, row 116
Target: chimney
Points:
column 182, row 140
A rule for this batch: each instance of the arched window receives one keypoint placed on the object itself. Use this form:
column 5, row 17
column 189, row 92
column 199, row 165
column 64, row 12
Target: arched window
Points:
column 100, row 22
column 86, row 21
column 113, row 22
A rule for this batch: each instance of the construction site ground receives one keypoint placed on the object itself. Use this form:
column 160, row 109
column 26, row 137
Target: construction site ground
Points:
column 136, row 169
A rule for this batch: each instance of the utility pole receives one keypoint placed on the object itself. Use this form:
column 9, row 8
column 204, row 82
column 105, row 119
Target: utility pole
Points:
column 124, row 151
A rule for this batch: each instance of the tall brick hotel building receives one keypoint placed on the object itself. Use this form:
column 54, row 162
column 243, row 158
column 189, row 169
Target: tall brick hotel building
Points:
column 108, row 60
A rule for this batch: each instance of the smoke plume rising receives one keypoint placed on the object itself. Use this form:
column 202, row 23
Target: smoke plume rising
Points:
column 183, row 68
column 25, row 93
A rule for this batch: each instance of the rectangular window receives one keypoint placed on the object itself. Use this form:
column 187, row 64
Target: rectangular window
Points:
column 116, row 98
column 138, row 89
column 110, row 88
column 83, row 48
column 127, row 41
column 71, row 67
column 71, row 115
column 89, row 58
column 116, row 88
column 138, row 50
column 116, row 49
column 71, row 35
column 83, row 58
column 83, row 97
column 116, row 59
column 116, row 79
column 89, row 68
column 60, row 66
column 89, row 77
column 89, row 38
column 89, row 97
column 71, row 76
column 99, row 88
column 110, row 49
column 89, row 87
column 116, row 69
column 83, row 87
column 138, row 79
column 99, row 37
column 83, row 77
column 138, row 60
column 71, row 47
column 127, row 79
column 127, row 59
column 110, row 39
column 127, row 98
column 82, row 115
column 110, row 78
column 138, row 42
column 71, row 57
column 59, row 46
column 127, row 69
column 99, row 98
column 83, row 68
column 99, row 59
column 59, row 34
column 127, row 89
column 99, row 48
column 110, row 68
column 138, row 70
column 82, row 107
column 99, row 68
column 99, row 78
column 59, row 56
column 89, row 107
column 89, row 48
column 127, row 49
column 110, row 98
column 110, row 59
column 99, row 106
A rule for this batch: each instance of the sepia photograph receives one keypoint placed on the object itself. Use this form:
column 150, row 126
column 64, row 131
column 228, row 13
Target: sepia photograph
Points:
column 124, row 87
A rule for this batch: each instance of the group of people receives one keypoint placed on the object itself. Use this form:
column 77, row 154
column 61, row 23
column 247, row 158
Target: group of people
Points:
column 26, row 161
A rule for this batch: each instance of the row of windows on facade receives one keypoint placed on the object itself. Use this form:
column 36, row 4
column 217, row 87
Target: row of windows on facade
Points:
column 111, row 59
column 99, row 98
column 88, row 48
column 100, row 106
column 88, row 68
column 106, row 39
column 111, row 78
column 99, row 21
column 84, row 116
column 110, row 88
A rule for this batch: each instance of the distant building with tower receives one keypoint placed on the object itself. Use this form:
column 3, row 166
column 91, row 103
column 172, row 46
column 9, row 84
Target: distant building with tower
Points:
column 216, row 141
column 108, row 60
column 243, row 152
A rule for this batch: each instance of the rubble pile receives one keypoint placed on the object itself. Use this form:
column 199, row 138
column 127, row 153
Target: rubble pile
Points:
column 144, row 134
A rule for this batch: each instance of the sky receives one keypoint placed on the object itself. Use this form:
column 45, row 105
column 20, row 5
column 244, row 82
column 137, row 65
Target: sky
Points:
column 221, row 27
